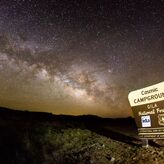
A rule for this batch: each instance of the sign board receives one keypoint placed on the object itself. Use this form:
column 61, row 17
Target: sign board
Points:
column 148, row 108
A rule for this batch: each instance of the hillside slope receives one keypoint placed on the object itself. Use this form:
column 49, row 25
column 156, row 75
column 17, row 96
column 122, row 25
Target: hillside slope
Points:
column 36, row 138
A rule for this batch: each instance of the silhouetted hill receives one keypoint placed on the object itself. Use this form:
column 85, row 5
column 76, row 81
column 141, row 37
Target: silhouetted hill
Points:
column 39, row 116
column 84, row 121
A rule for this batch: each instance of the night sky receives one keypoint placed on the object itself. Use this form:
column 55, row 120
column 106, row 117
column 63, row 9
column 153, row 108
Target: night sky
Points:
column 79, row 57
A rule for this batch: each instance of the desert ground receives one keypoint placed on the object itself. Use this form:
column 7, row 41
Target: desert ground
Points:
column 43, row 138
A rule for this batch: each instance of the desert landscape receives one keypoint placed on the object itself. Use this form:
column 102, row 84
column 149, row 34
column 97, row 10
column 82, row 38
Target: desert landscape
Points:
column 67, row 69
column 36, row 138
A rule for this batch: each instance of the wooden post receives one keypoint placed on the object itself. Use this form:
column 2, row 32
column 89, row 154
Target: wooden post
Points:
column 145, row 143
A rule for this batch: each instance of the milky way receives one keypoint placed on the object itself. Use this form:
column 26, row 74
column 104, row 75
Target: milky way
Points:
column 79, row 57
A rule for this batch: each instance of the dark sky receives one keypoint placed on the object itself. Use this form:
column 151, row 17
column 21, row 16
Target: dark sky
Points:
column 79, row 57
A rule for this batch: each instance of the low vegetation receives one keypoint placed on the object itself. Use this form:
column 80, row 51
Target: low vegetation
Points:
column 32, row 141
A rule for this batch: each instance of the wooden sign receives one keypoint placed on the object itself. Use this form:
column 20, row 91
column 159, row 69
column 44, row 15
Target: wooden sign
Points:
column 148, row 108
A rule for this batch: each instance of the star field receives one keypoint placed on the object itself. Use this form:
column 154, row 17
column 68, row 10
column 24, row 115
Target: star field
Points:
column 79, row 57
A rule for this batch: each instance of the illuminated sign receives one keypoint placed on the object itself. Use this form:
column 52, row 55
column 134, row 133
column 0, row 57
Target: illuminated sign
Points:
column 148, row 108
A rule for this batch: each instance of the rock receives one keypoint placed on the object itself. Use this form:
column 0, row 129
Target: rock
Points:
column 112, row 159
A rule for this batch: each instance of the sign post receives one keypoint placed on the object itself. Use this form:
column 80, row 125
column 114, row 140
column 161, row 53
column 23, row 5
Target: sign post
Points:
column 148, row 108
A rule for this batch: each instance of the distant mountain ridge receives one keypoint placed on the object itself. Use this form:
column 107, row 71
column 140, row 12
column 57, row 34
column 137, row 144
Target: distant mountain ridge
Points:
column 92, row 122
column 7, row 112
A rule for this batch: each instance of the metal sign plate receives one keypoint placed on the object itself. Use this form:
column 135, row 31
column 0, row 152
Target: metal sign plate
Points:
column 148, row 108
